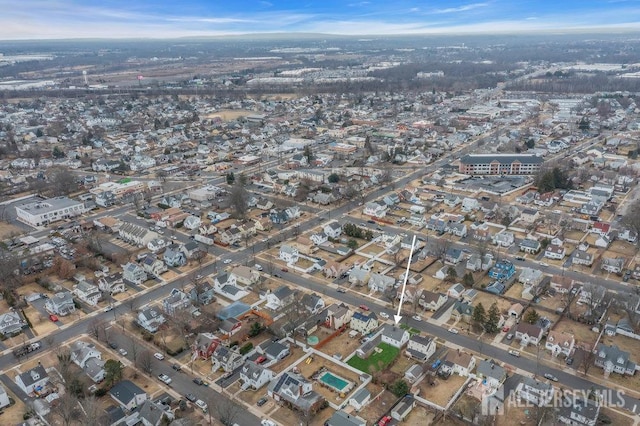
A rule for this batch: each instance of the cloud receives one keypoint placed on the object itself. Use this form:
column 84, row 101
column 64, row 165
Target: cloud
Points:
column 463, row 8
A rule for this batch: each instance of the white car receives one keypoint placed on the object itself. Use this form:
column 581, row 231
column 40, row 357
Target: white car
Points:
column 544, row 264
column 122, row 352
column 164, row 378
column 514, row 353
column 454, row 330
column 108, row 308
column 417, row 317
column 257, row 267
column 202, row 405
column 267, row 422
column 227, row 261
column 384, row 315
column 158, row 355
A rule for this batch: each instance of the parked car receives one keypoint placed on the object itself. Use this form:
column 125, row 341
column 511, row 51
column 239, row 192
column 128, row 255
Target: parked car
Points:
column 509, row 336
column 158, row 356
column 514, row 352
column 505, row 329
column 626, row 276
column 164, row 378
column 257, row 267
column 227, row 261
column 176, row 367
column 520, row 258
column 341, row 290
column 261, row 402
column 417, row 317
column 454, row 330
column 113, row 345
column 108, row 308
column 261, row 359
column 202, row 405
column 545, row 264
column 284, row 269
column 191, row 397
column 384, row 315
column 122, row 352
column 371, row 221
column 53, row 317
column 550, row 377
column 569, row 361
column 198, row 381
column 267, row 422
column 384, row 421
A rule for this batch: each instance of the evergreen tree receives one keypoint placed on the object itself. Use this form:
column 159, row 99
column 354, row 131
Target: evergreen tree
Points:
column 479, row 315
column 531, row 317
column 493, row 318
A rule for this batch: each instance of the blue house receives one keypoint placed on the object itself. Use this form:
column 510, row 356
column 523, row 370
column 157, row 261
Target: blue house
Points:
column 502, row 271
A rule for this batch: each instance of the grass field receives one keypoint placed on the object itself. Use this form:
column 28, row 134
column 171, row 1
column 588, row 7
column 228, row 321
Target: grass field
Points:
column 378, row 359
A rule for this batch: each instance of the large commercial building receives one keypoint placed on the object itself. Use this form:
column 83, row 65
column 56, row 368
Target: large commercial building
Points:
column 42, row 213
column 500, row 164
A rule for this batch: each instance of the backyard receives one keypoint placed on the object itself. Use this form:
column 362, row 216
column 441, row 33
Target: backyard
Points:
column 382, row 356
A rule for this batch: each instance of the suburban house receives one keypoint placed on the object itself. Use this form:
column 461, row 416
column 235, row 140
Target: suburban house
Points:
column 133, row 273
column 176, row 301
column 516, row 310
column 395, row 336
column 128, row 395
column 337, row 316
column 341, row 418
column 255, row 376
column 560, row 342
column 245, row 275
column 432, row 301
column 204, row 345
column 226, row 359
column 530, row 246
column 456, row 291
column 136, row 234
column 280, row 298
column 360, row 399
column 87, row 357
column 529, row 333
column 312, row 303
column 530, row 276
column 364, row 323
column 504, row 239
column 581, row 257
column 453, row 256
column 151, row 413
column 153, row 266
column 333, row 230
column 297, row 391
column 359, row 276
column 375, row 208
column 4, row 398
column 34, row 380
column 529, row 216
column 458, row 362
column 11, row 324
column 414, row 373
column 60, row 304
column 562, row 284
column 421, row 348
column 614, row 360
column 289, row 254
column 614, row 265
column 380, row 282
column 202, row 294
column 583, row 412
column 555, row 252
column 536, row 392
column 150, row 319
column 87, row 292
column 491, row 373
column 174, row 257
column 112, row 284
column 274, row 351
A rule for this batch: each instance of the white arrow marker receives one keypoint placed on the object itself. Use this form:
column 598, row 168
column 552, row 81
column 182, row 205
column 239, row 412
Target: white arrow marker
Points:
column 398, row 317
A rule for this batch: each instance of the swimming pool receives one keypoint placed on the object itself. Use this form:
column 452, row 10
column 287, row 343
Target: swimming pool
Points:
column 337, row 383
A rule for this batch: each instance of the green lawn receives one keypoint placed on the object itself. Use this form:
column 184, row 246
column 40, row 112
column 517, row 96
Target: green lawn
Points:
column 379, row 360
column 411, row 330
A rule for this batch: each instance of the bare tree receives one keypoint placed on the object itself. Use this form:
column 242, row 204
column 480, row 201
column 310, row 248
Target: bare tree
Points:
column 631, row 218
column 66, row 409
column 238, row 199
column 134, row 348
column 226, row 410
column 145, row 361
column 61, row 181
column 92, row 409
column 440, row 248
column 587, row 360
column 97, row 329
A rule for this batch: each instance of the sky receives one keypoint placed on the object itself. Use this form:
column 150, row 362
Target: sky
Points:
column 55, row 19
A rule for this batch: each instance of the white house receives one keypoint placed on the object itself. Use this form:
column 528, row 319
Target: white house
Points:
column 289, row 254
column 87, row 292
column 150, row 319
column 33, row 380
column 112, row 284
column 560, row 342
column 192, row 222
column 60, row 304
column 470, row 204
column 535, row 392
column 154, row 266
column 421, row 348
column 364, row 323
column 459, row 362
column 4, row 398
column 395, row 336
column 81, row 352
column 280, row 298
column 134, row 273
column 360, row 399
column 333, row 229
column 504, row 239
column 128, row 395
column 254, row 376
column 375, row 208
column 555, row 252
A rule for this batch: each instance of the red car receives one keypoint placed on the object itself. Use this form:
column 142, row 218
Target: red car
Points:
column 261, row 359
column 53, row 318
column 284, row 270
column 505, row 329
column 364, row 307
column 384, row 421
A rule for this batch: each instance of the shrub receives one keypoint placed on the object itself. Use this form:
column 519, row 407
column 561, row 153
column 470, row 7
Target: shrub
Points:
column 100, row 392
column 246, row 348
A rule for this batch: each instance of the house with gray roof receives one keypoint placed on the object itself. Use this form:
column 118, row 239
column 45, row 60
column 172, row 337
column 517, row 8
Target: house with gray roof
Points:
column 174, row 257
column 364, row 323
column 176, row 301
column 133, row 273
column 614, row 360
column 380, row 282
column 402, row 409
column 577, row 412
column 536, row 392
column 225, row 358
column 360, row 399
column 61, row 304
column 152, row 414
column 297, row 391
column 128, row 394
column 11, row 324
column 395, row 336
column 150, row 319
column 341, row 418
column 33, row 380
column 491, row 373
column 421, row 347
column 254, row 376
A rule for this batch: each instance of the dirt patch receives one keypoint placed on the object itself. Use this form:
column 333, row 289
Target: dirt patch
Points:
column 581, row 332
column 616, row 417
column 420, row 416
column 8, row 230
column 442, row 390
column 379, row 406
column 12, row 415
column 341, row 344
column 42, row 325
column 516, row 416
